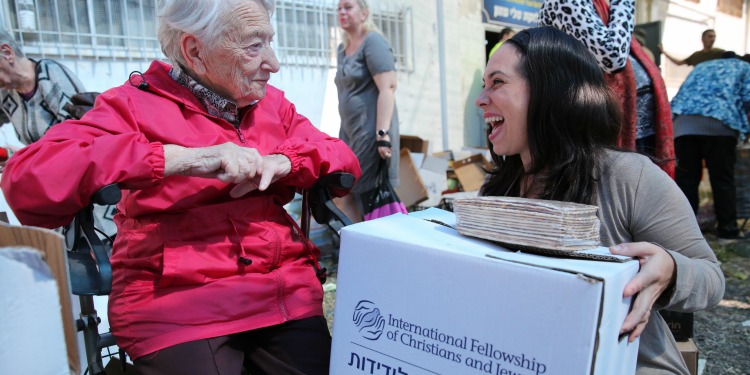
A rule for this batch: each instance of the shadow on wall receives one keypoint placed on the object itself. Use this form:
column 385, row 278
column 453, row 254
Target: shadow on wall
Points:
column 474, row 134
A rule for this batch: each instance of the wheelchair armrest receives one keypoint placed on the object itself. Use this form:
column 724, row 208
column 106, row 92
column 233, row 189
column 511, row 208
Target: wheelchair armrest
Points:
column 336, row 180
column 318, row 201
column 88, row 259
column 107, row 195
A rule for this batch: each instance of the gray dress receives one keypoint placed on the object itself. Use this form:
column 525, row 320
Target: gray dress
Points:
column 358, row 98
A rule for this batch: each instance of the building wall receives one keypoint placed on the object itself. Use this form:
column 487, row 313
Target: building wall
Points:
column 683, row 24
column 418, row 96
column 103, row 75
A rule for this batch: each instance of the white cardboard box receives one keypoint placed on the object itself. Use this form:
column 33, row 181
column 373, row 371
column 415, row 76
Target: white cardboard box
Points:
column 51, row 244
column 33, row 336
column 416, row 297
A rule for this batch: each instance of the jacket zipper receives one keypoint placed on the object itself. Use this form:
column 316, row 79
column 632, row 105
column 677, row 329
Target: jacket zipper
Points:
column 280, row 292
column 239, row 133
column 281, row 295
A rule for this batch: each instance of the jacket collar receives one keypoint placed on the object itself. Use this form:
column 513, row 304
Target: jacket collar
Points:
column 215, row 104
column 161, row 83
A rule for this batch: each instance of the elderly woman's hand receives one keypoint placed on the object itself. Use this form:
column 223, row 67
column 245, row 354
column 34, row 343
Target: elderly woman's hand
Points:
column 655, row 276
column 229, row 163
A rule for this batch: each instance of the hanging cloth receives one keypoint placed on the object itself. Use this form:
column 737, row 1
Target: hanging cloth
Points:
column 623, row 85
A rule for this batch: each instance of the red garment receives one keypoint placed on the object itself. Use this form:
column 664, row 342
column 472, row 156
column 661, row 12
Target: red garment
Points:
column 175, row 261
column 624, row 86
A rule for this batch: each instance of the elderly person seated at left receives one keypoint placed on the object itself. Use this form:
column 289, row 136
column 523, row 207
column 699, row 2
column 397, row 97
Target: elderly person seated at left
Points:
column 210, row 273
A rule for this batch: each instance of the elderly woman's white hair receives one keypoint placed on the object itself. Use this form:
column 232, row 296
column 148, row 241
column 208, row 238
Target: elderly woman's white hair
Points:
column 206, row 19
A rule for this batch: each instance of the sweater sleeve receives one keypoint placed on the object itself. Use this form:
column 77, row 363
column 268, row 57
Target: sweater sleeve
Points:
column 610, row 44
column 47, row 182
column 313, row 153
column 59, row 85
column 662, row 215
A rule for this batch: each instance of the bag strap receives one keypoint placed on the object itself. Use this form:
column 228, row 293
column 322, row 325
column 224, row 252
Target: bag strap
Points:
column 382, row 175
column 382, row 143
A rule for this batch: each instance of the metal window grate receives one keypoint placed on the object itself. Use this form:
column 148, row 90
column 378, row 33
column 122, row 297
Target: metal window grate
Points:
column 308, row 34
column 98, row 29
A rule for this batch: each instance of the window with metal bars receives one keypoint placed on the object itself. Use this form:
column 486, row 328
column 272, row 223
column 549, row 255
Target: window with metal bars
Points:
column 107, row 29
column 307, row 32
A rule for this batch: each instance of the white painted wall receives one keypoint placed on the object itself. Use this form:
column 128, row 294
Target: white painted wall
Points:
column 684, row 22
column 103, row 75
column 418, row 95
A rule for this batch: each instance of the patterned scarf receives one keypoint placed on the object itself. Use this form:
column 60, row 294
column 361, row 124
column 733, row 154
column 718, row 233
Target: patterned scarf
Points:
column 623, row 85
column 215, row 104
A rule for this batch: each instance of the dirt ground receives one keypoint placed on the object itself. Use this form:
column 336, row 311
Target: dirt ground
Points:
column 722, row 333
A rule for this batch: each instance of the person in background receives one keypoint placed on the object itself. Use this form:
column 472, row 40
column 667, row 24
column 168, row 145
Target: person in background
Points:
column 33, row 93
column 711, row 115
column 366, row 82
column 605, row 29
column 553, row 121
column 505, row 34
column 707, row 53
column 210, row 273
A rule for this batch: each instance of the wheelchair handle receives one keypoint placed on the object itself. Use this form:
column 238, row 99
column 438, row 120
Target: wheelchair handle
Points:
column 336, row 180
column 107, row 195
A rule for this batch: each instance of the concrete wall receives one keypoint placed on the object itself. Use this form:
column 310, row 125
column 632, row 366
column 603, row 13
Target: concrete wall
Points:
column 103, row 75
column 418, row 97
column 683, row 23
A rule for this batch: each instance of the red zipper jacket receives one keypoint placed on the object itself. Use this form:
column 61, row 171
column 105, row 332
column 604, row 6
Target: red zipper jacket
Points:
column 176, row 274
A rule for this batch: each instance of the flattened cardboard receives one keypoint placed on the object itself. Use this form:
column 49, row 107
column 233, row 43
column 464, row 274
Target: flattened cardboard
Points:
column 416, row 297
column 689, row 352
column 410, row 190
column 51, row 244
column 415, row 144
column 471, row 171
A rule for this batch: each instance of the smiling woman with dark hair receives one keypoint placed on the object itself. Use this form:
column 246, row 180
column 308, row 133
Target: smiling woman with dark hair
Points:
column 553, row 123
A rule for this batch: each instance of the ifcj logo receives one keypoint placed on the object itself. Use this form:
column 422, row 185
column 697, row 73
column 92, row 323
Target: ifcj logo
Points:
column 368, row 320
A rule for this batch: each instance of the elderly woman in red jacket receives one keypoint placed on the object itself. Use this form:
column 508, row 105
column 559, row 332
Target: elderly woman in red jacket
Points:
column 210, row 273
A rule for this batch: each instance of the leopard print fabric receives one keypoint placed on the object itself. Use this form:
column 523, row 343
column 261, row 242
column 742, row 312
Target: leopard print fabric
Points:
column 610, row 45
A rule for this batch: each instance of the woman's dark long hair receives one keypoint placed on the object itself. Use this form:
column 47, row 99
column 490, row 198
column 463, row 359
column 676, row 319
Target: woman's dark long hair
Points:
column 572, row 118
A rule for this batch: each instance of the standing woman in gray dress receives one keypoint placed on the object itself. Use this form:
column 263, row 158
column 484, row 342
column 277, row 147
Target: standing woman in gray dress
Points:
column 366, row 83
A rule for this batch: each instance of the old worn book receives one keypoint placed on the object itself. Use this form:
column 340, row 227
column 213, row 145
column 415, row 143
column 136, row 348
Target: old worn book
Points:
column 523, row 223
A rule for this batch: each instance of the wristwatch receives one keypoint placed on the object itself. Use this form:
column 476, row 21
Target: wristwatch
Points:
column 382, row 133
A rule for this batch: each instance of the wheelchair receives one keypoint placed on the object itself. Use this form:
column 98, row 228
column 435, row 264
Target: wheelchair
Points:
column 91, row 272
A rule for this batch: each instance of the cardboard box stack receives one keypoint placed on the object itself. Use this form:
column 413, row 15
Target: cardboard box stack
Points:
column 681, row 326
column 690, row 354
column 415, row 297
column 426, row 178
